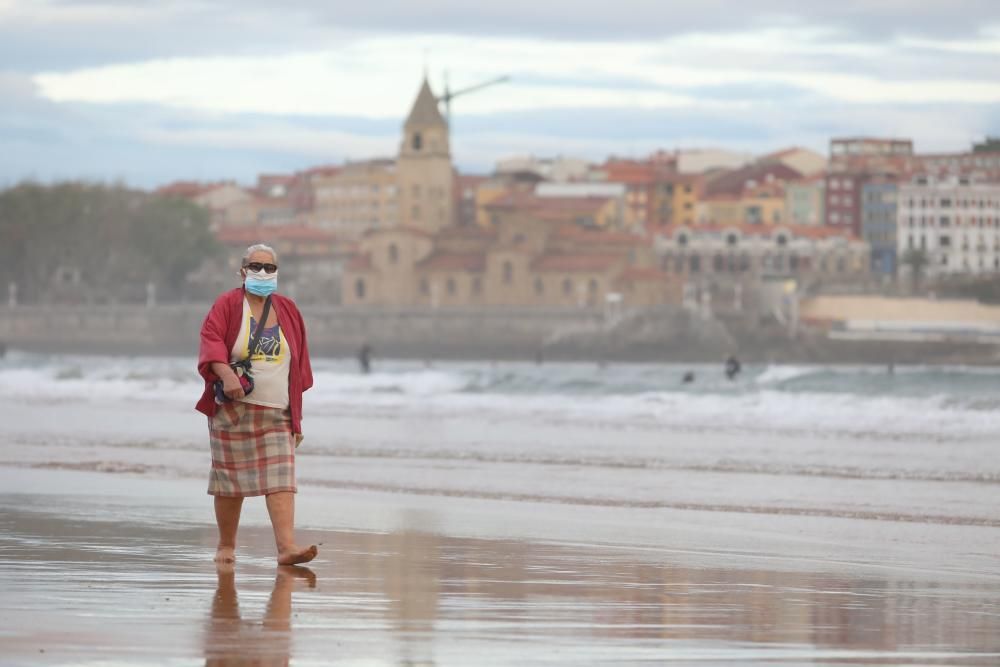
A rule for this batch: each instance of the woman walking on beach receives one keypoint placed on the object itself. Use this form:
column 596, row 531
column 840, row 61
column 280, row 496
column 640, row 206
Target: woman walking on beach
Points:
column 254, row 422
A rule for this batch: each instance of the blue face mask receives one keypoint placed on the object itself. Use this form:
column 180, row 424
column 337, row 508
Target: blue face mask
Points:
column 261, row 283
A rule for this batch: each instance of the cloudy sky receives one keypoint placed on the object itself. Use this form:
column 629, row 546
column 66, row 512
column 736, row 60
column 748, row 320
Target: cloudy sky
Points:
column 148, row 91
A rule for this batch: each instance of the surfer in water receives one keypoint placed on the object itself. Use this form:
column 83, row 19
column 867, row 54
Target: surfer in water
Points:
column 365, row 359
column 733, row 367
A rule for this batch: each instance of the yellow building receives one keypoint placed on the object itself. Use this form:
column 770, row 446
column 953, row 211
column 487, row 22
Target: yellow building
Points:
column 354, row 198
column 683, row 192
column 755, row 205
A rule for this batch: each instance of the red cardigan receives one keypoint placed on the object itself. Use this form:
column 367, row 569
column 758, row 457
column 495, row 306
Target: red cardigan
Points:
column 218, row 335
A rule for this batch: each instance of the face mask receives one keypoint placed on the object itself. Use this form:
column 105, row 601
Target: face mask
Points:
column 261, row 283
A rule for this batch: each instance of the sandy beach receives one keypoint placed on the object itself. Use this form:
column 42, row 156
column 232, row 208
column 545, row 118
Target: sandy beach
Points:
column 472, row 530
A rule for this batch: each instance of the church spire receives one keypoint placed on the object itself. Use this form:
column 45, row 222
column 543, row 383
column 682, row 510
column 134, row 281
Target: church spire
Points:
column 425, row 112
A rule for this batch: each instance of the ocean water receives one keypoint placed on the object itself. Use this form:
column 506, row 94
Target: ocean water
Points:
column 933, row 402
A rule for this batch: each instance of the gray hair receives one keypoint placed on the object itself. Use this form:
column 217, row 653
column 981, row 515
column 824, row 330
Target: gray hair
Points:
column 258, row 247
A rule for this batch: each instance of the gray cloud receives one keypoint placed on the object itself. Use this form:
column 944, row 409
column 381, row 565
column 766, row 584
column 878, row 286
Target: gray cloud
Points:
column 230, row 27
column 657, row 18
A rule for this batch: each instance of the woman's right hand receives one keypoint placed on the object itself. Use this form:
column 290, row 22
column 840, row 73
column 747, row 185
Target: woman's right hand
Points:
column 232, row 387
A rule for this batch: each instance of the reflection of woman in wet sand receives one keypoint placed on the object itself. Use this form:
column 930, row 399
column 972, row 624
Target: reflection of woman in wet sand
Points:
column 231, row 641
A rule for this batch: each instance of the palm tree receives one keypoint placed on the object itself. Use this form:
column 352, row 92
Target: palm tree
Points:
column 917, row 260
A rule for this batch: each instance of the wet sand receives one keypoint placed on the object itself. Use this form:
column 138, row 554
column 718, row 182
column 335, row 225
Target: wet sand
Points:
column 468, row 529
column 124, row 577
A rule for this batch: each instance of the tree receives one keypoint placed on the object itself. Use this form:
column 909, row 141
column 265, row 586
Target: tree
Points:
column 90, row 242
column 917, row 260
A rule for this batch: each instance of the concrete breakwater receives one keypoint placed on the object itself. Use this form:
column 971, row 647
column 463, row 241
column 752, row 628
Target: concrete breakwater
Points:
column 660, row 334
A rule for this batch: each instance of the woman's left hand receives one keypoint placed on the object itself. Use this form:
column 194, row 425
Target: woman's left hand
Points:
column 298, row 438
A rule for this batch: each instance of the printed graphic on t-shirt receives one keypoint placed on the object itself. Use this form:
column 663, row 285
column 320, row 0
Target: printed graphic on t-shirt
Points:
column 269, row 346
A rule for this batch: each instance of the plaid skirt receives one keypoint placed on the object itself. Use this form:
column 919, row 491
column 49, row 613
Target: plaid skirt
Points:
column 253, row 450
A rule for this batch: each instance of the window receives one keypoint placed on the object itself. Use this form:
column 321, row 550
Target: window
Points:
column 592, row 287
column 393, row 254
column 417, row 142
column 568, row 287
column 415, row 212
column 359, row 289
column 450, row 286
column 682, row 240
column 718, row 263
column 508, row 273
column 539, row 287
column 477, row 285
column 731, row 239
column 695, row 263
column 425, row 287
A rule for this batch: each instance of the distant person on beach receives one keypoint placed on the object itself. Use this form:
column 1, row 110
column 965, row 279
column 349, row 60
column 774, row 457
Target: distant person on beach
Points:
column 688, row 378
column 733, row 367
column 365, row 359
column 254, row 431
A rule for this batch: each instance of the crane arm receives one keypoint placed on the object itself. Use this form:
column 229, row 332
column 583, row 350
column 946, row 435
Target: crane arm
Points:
column 449, row 95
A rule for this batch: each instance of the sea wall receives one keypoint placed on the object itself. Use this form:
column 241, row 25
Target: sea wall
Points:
column 173, row 329
column 659, row 334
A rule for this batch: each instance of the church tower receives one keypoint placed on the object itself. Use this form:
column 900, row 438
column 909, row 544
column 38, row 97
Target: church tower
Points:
column 424, row 169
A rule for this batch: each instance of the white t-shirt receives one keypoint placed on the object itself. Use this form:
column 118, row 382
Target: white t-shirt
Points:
column 270, row 362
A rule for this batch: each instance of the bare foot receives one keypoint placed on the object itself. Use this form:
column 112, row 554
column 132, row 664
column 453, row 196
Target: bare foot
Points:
column 225, row 555
column 295, row 555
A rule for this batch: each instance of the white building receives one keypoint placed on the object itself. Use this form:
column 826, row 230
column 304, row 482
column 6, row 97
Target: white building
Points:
column 739, row 251
column 955, row 222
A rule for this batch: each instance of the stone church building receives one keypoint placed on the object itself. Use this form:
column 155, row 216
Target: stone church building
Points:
column 535, row 250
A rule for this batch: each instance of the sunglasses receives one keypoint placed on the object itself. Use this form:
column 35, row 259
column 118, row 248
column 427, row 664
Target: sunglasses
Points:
column 260, row 266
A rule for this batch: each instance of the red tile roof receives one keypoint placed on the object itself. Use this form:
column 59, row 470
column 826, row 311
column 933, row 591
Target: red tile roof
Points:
column 324, row 170
column 188, row 188
column 735, row 180
column 445, row 261
column 576, row 263
column 629, row 172
column 240, row 234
